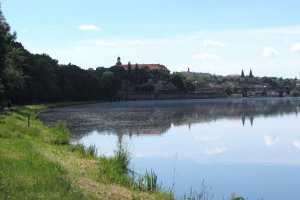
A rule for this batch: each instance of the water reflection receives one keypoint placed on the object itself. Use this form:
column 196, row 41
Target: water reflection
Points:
column 157, row 117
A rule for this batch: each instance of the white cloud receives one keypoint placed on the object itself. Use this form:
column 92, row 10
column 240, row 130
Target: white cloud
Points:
column 213, row 151
column 89, row 27
column 206, row 138
column 296, row 144
column 213, row 43
column 104, row 43
column 296, row 47
column 206, row 56
column 269, row 140
column 269, row 52
column 138, row 42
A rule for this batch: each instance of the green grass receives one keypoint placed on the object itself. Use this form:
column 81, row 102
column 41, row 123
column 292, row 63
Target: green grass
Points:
column 89, row 152
column 38, row 162
column 24, row 172
column 147, row 182
column 59, row 134
column 116, row 170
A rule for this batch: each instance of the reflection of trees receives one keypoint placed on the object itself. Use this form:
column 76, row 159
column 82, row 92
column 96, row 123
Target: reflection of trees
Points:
column 155, row 118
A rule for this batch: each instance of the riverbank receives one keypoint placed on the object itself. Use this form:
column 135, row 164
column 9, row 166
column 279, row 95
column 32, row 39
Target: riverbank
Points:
column 38, row 162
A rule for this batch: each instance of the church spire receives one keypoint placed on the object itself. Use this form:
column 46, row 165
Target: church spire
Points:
column 118, row 61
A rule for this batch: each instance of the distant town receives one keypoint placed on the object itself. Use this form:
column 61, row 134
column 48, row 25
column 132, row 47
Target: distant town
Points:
column 159, row 83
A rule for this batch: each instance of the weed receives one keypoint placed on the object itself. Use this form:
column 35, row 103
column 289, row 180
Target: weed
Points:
column 233, row 197
column 204, row 194
column 60, row 134
column 146, row 183
column 79, row 148
column 116, row 169
column 123, row 157
column 90, row 151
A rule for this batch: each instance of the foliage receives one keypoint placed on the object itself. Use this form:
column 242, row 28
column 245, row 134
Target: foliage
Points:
column 178, row 80
column 295, row 94
column 233, row 197
column 89, row 152
column 228, row 90
column 116, row 169
column 59, row 134
column 147, row 182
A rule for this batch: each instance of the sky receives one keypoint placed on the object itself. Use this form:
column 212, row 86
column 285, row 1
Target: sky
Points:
column 216, row 36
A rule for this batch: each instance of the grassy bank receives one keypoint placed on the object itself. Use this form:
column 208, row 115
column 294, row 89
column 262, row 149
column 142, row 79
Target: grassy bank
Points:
column 37, row 162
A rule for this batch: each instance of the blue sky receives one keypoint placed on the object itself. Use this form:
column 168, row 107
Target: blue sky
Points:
column 220, row 37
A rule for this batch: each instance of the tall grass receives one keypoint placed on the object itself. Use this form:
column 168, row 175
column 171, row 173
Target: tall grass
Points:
column 146, row 183
column 116, row 170
column 203, row 194
column 89, row 152
column 233, row 197
column 25, row 173
column 60, row 134
column 123, row 157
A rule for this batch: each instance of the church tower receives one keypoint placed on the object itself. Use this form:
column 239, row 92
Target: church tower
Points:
column 118, row 61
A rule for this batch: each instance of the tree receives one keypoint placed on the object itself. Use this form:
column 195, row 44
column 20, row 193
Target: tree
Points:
column 13, row 78
column 189, row 84
column 228, row 89
column 178, row 80
column 6, row 38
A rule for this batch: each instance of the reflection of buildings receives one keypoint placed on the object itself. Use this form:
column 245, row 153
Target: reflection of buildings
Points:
column 130, row 132
column 152, row 131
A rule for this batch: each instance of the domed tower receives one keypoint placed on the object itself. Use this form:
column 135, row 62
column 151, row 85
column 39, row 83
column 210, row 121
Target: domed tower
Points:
column 118, row 61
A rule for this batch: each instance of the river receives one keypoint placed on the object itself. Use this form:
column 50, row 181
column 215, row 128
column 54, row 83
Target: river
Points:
column 250, row 147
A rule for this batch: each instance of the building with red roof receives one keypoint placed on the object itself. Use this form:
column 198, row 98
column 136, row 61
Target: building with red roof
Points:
column 141, row 66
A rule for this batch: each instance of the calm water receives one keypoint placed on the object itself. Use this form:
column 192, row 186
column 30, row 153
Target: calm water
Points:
column 247, row 146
